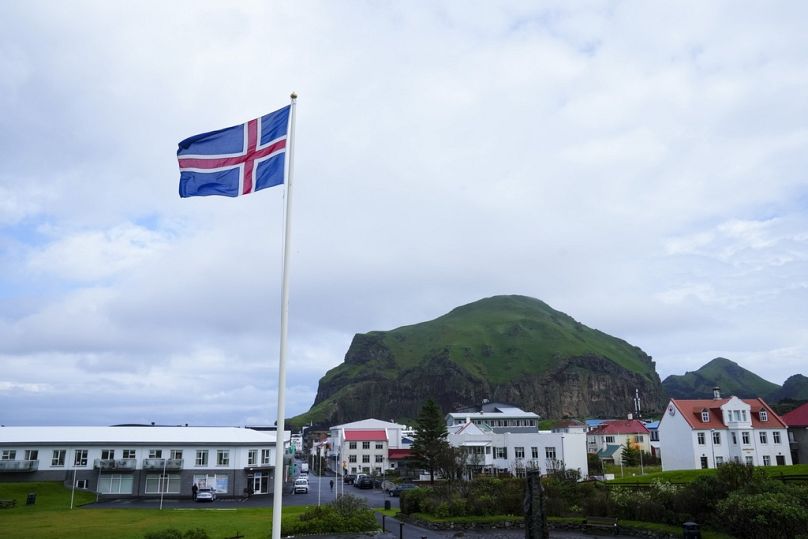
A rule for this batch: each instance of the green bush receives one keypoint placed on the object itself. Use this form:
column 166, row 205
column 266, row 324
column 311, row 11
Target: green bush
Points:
column 765, row 515
column 345, row 514
column 414, row 501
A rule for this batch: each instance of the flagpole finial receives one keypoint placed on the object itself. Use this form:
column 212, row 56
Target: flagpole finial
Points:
column 293, row 95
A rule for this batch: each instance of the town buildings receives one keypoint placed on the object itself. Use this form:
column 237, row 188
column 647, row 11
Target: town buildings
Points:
column 133, row 461
column 797, row 422
column 611, row 436
column 363, row 446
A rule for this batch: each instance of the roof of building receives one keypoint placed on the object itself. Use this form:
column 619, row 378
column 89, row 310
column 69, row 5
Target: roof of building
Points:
column 369, row 424
column 620, row 426
column 691, row 411
column 399, row 454
column 608, row 451
column 798, row 417
column 136, row 435
column 365, row 435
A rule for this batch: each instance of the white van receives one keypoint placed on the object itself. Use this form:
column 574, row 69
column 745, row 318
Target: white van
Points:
column 302, row 485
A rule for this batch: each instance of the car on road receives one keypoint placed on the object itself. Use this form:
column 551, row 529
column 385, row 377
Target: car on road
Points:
column 301, row 486
column 398, row 489
column 348, row 479
column 363, row 481
column 205, row 495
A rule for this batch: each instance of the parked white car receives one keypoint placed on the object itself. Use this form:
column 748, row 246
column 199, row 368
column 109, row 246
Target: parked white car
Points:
column 206, row 495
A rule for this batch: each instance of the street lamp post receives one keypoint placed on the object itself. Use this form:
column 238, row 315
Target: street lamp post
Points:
column 712, row 445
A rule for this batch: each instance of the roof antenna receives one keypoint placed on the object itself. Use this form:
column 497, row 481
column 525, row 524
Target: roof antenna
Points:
column 637, row 407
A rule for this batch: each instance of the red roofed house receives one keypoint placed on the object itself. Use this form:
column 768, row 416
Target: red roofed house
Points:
column 610, row 437
column 362, row 447
column 797, row 422
column 705, row 433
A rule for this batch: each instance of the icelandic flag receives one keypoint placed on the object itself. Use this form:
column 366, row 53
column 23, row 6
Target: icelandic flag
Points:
column 236, row 160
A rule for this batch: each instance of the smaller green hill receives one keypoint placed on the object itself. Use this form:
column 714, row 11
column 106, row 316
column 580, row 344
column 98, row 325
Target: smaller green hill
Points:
column 730, row 377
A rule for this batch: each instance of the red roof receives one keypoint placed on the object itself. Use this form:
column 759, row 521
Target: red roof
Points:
column 621, row 426
column 798, row 417
column 398, row 454
column 365, row 435
column 691, row 410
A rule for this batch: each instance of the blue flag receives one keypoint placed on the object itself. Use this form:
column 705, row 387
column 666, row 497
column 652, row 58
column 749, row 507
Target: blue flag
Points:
column 236, row 160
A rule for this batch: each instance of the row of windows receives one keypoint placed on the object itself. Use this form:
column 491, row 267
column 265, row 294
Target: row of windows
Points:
column 80, row 456
column 366, row 445
column 745, row 437
column 156, row 484
column 365, row 458
column 637, row 439
column 519, row 452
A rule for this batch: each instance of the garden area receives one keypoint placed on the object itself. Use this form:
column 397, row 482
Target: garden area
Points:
column 732, row 501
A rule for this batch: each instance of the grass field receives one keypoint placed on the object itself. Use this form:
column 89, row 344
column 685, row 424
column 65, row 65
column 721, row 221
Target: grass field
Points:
column 686, row 476
column 51, row 517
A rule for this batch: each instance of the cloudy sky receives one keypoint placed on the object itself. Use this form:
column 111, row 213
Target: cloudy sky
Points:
column 640, row 166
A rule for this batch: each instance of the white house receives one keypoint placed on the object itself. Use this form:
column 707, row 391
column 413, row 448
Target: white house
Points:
column 514, row 453
column 129, row 461
column 708, row 432
column 363, row 446
column 498, row 416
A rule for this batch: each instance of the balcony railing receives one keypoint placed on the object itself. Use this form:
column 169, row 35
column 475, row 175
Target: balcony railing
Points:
column 19, row 465
column 158, row 464
column 121, row 465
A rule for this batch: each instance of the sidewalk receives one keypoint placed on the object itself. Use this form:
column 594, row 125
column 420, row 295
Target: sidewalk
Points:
column 394, row 530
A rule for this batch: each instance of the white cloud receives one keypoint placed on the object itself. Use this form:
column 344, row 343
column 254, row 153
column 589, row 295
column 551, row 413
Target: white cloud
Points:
column 640, row 167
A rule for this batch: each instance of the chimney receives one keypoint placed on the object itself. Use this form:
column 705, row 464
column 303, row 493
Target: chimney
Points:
column 630, row 416
column 717, row 393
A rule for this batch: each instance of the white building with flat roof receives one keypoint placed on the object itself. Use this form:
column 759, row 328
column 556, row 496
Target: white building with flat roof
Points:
column 128, row 461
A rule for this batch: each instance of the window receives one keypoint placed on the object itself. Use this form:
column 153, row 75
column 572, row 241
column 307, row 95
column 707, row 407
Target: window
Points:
column 379, row 458
column 519, row 452
column 764, row 417
column 252, row 457
column 700, row 438
column 351, row 445
column 365, row 458
column 169, row 484
column 265, row 456
column 767, row 460
column 745, row 438
column 81, row 483
column 33, row 454
column 107, row 454
column 223, row 457
column 488, row 450
column 176, row 454
column 776, row 437
column 763, row 437
column 155, row 453
column 352, row 458
column 365, row 445
column 201, row 457
column 749, row 461
column 719, row 461
column 500, row 452
column 734, row 439
column 534, row 452
column 736, row 414
column 115, row 484
column 705, row 416
column 639, row 439
column 129, row 454
column 654, row 436
column 379, row 445
column 550, row 453
column 743, row 414
column 219, row 482
column 58, row 458
column 609, row 439
column 8, row 454
column 716, row 437
column 80, row 457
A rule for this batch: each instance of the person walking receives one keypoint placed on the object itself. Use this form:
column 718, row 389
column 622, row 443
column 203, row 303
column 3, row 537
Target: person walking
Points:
column 332, row 484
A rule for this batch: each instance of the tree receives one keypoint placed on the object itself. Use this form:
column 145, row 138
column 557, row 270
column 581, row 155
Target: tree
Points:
column 430, row 446
column 631, row 455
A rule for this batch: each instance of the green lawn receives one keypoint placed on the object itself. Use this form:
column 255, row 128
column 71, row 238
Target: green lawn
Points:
column 51, row 517
column 686, row 476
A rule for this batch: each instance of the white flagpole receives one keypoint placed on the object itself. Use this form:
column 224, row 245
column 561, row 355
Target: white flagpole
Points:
column 277, row 494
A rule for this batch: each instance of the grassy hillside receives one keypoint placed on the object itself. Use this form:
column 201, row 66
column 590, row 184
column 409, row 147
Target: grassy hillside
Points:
column 728, row 375
column 504, row 337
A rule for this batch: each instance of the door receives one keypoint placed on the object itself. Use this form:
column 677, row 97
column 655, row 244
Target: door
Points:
column 260, row 483
column 781, row 460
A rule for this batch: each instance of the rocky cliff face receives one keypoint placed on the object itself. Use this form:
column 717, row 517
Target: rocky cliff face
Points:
column 386, row 376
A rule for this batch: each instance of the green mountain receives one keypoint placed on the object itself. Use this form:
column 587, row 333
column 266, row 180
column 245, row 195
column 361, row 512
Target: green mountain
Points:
column 795, row 388
column 513, row 349
column 728, row 375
